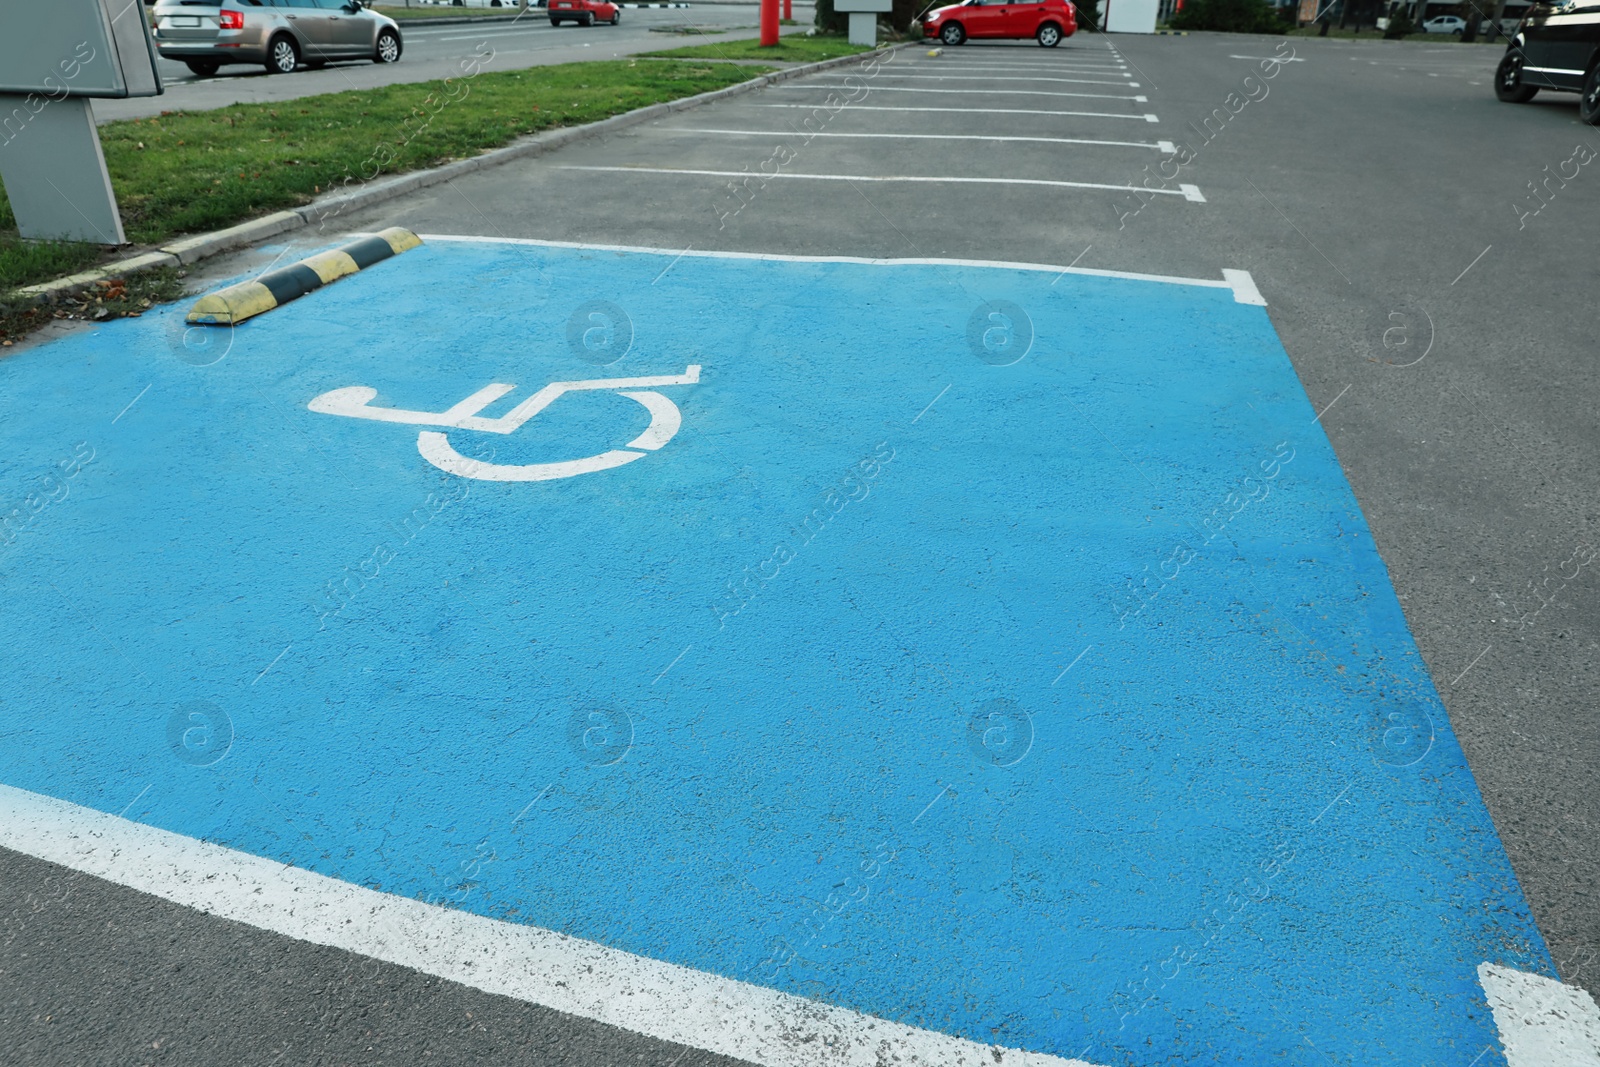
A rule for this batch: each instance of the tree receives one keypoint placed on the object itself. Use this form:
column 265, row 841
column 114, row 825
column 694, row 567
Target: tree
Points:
column 1400, row 24
column 1495, row 31
column 1228, row 16
column 830, row 21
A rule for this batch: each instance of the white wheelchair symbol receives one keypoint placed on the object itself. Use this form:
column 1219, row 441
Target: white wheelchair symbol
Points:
column 355, row 401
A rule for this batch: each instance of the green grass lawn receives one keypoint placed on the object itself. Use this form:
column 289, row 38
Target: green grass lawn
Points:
column 791, row 48
column 189, row 172
column 25, row 262
column 399, row 13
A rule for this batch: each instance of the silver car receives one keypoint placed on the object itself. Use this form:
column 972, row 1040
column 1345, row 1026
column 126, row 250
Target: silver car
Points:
column 279, row 34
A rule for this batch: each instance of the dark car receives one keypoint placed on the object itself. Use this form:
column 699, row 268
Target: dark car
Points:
column 1556, row 47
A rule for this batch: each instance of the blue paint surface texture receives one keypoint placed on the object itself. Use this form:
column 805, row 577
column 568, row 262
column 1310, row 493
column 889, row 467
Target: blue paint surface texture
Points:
column 1074, row 712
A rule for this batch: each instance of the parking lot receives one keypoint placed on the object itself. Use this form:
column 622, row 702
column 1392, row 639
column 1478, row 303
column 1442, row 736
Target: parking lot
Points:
column 1024, row 750
column 997, row 136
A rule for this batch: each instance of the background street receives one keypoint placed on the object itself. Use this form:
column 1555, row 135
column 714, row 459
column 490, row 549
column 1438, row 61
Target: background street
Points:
column 437, row 52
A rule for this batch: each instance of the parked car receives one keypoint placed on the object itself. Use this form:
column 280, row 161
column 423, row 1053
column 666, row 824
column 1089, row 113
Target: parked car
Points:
column 1507, row 26
column 1445, row 24
column 279, row 34
column 1556, row 47
column 1046, row 22
column 584, row 12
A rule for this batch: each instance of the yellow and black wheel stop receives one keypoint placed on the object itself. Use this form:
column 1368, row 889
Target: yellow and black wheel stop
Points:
column 227, row 307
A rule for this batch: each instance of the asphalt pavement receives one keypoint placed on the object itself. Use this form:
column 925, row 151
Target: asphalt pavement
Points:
column 1435, row 313
column 436, row 52
column 1381, row 197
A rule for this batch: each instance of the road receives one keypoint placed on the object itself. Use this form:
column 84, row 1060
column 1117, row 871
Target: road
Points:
column 1409, row 278
column 436, row 52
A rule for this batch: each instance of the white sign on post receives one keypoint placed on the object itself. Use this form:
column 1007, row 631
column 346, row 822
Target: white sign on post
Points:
column 864, row 18
column 1131, row 16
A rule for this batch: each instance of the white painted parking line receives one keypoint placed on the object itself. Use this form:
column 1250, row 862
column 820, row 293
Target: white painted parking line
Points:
column 972, row 92
column 977, row 64
column 1046, row 68
column 978, row 111
column 1161, row 146
column 1188, row 192
column 1001, row 78
column 552, row 48
column 457, row 27
column 1231, row 279
column 1030, row 72
column 1244, row 287
column 487, row 33
column 533, row 965
column 1542, row 1022
column 1024, row 56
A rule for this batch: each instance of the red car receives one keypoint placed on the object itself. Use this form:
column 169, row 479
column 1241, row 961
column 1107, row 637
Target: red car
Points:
column 584, row 12
column 1045, row 22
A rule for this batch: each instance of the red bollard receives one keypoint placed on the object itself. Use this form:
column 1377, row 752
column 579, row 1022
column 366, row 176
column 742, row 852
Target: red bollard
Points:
column 788, row 9
column 769, row 23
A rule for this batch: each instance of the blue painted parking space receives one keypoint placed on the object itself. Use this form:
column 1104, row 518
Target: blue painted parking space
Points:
column 992, row 649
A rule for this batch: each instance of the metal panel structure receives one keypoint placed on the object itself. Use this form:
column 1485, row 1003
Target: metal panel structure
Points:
column 54, row 56
column 58, row 48
column 56, row 179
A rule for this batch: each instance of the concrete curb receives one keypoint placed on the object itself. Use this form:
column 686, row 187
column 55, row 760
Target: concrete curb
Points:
column 203, row 246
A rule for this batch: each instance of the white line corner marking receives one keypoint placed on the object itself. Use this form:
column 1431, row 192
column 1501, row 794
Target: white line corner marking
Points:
column 1244, row 287
column 1542, row 1022
column 534, row 965
column 355, row 402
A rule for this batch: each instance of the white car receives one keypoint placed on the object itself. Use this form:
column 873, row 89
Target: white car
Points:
column 1445, row 24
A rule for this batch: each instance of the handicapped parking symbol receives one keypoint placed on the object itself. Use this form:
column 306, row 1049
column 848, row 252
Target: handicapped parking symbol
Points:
column 355, row 401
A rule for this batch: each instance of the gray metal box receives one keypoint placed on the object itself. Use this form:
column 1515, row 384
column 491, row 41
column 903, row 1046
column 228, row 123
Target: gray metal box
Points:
column 57, row 48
